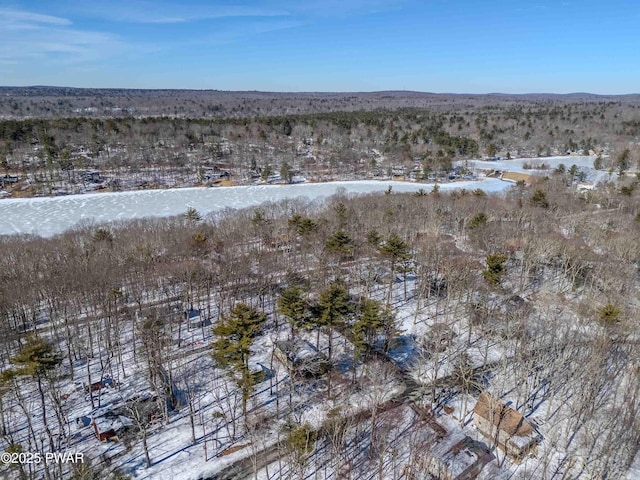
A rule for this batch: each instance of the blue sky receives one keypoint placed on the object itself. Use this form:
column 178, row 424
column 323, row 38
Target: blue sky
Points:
column 463, row 46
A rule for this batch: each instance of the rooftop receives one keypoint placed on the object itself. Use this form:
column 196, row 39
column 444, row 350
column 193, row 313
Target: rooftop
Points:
column 502, row 416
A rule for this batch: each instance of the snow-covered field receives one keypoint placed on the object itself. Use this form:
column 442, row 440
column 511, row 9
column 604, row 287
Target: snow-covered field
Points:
column 518, row 164
column 53, row 215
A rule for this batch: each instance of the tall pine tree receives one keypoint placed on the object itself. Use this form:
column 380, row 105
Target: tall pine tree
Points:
column 231, row 350
column 334, row 306
column 37, row 358
column 396, row 251
column 292, row 305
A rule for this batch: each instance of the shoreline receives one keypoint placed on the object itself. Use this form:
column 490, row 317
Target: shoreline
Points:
column 511, row 165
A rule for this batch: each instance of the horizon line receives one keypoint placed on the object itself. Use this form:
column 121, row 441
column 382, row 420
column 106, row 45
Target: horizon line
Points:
column 422, row 92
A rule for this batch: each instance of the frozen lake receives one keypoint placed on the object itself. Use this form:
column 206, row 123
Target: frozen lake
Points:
column 49, row 216
column 53, row 215
column 517, row 164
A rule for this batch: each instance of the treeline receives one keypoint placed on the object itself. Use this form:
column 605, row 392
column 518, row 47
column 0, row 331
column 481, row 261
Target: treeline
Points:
column 333, row 141
column 18, row 102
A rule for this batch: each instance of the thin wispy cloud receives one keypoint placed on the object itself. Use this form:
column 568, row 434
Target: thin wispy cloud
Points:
column 18, row 19
column 209, row 14
column 163, row 12
column 29, row 35
column 166, row 13
column 341, row 8
column 247, row 29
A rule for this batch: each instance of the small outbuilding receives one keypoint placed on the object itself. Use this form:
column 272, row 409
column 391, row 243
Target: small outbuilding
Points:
column 211, row 174
column 196, row 319
column 8, row 179
column 108, row 427
column 91, row 176
column 457, row 457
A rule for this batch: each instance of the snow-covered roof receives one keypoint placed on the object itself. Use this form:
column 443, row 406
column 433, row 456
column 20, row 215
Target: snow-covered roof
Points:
column 299, row 351
column 458, row 453
column 301, row 355
column 115, row 423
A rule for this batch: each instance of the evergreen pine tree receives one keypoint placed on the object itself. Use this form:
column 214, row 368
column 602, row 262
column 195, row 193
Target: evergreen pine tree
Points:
column 396, row 251
column 192, row 215
column 292, row 305
column 232, row 348
column 340, row 244
column 37, row 358
column 334, row 307
column 368, row 325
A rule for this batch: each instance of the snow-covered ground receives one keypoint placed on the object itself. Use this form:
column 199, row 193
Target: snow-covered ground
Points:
column 517, row 165
column 51, row 216
column 174, row 454
column 634, row 469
